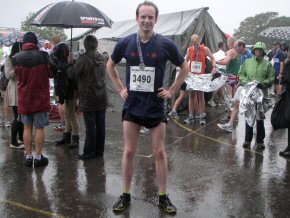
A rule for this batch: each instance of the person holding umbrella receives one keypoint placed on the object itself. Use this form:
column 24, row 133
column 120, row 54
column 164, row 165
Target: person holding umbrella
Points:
column 146, row 54
column 33, row 69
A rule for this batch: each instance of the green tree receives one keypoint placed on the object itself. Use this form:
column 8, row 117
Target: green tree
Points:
column 45, row 32
column 251, row 27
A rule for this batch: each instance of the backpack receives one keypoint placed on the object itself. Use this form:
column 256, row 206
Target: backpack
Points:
column 3, row 79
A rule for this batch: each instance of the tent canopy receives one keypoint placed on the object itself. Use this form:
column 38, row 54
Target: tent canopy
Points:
column 178, row 26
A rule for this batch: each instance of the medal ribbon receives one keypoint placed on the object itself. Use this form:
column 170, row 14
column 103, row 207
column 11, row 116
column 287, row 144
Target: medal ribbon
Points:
column 139, row 48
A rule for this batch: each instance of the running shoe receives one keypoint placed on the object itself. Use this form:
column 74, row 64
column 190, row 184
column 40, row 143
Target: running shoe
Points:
column 166, row 205
column 42, row 162
column 212, row 103
column 17, row 145
column 144, row 130
column 28, row 161
column 7, row 124
column 122, row 203
column 227, row 126
column 202, row 121
column 189, row 120
column 59, row 127
column 225, row 119
column 285, row 152
column 173, row 115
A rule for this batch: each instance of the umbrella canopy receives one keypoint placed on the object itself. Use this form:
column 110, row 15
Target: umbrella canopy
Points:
column 282, row 33
column 70, row 14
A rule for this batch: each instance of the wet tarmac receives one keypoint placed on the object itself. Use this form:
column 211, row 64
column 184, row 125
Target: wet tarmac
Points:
column 209, row 175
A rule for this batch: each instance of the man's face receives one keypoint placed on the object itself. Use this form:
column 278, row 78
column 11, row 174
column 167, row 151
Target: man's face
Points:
column 146, row 18
column 275, row 47
column 258, row 52
column 238, row 49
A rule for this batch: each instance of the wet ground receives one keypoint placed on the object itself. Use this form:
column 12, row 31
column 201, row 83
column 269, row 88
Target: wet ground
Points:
column 209, row 175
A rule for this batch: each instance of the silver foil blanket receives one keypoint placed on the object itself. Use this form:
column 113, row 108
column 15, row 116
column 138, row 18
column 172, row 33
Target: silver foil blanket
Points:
column 204, row 82
column 253, row 104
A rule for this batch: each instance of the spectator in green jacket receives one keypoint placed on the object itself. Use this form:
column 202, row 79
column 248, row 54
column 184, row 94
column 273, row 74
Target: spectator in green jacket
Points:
column 261, row 70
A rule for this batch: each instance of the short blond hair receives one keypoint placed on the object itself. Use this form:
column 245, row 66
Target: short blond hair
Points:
column 195, row 39
column 231, row 40
column 56, row 39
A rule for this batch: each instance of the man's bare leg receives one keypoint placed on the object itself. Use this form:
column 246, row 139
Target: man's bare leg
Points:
column 27, row 139
column 157, row 139
column 39, row 140
column 131, row 136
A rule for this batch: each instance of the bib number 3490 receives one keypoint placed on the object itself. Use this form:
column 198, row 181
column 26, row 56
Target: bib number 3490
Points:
column 142, row 80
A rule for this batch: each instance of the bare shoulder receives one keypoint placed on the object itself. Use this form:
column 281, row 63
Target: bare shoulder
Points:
column 232, row 53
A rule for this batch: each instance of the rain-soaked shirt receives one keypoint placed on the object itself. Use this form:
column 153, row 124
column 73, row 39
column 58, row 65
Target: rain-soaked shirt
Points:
column 143, row 86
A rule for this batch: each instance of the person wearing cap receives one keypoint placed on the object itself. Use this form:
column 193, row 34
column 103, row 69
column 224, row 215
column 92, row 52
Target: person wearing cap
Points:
column 44, row 47
column 33, row 69
column 277, row 57
column 259, row 69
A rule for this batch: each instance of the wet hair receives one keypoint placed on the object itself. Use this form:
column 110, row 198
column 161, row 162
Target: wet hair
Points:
column 195, row 39
column 241, row 43
column 147, row 3
column 231, row 40
column 56, row 39
column 16, row 47
column 90, row 43
column 220, row 45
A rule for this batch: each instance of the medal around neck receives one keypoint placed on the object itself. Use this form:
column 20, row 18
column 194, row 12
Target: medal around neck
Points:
column 142, row 66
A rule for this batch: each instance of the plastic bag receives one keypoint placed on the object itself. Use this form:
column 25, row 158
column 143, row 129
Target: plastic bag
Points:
column 278, row 118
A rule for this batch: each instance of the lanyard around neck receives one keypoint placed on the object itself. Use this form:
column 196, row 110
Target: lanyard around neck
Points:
column 139, row 48
column 197, row 54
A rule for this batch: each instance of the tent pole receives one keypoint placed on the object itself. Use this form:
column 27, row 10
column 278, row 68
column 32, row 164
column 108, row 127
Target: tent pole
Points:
column 71, row 39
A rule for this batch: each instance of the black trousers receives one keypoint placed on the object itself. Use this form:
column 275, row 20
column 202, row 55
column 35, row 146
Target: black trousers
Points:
column 16, row 128
column 260, row 132
column 95, row 132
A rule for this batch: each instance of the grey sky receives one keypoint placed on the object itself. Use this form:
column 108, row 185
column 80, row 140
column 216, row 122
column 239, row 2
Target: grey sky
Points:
column 227, row 13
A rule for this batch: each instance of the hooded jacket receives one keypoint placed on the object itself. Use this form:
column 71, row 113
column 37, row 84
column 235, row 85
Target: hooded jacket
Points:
column 33, row 69
column 90, row 73
column 257, row 69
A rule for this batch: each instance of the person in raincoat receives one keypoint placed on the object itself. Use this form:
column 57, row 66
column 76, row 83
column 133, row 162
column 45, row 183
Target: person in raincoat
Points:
column 286, row 83
column 260, row 70
column 89, row 71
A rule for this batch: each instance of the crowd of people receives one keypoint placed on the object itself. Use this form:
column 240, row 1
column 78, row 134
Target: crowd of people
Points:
column 29, row 70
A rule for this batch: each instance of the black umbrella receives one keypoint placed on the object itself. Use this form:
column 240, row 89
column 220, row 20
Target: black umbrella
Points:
column 277, row 33
column 70, row 14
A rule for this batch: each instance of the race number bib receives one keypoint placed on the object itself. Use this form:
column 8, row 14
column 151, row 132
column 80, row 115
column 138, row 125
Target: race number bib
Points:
column 142, row 80
column 196, row 67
